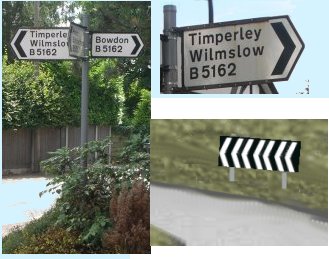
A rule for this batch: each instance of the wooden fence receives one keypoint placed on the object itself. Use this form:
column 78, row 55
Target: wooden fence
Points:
column 24, row 149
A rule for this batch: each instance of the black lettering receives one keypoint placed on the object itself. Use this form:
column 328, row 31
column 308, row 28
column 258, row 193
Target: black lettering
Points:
column 232, row 72
column 193, row 73
column 246, row 52
column 196, row 55
column 258, row 51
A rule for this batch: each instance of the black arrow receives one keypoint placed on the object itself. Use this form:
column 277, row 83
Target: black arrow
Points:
column 288, row 48
column 137, row 45
column 18, row 44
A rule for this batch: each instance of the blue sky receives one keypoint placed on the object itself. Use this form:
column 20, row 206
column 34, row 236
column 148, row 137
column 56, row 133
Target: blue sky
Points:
column 307, row 16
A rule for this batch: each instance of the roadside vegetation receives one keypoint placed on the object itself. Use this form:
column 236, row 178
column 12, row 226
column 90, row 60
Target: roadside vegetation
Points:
column 103, row 208
column 185, row 152
column 161, row 238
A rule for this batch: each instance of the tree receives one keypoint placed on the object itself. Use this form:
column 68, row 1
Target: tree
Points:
column 126, row 17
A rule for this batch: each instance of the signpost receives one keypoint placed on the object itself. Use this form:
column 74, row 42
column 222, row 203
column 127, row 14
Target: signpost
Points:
column 239, row 52
column 116, row 45
column 41, row 44
column 76, row 40
column 71, row 43
column 262, row 154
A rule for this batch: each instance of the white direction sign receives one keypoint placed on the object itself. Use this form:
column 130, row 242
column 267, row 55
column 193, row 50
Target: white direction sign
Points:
column 41, row 44
column 116, row 45
column 247, row 51
column 76, row 40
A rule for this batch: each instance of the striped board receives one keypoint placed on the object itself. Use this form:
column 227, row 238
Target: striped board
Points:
column 262, row 154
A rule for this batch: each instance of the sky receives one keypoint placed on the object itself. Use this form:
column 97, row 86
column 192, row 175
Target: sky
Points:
column 307, row 16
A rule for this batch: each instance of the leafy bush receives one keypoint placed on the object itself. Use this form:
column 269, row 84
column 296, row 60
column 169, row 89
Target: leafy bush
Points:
column 130, row 212
column 85, row 192
column 53, row 241
column 51, row 97
column 142, row 114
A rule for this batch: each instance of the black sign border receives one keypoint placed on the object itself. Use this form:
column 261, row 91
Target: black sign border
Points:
column 180, row 31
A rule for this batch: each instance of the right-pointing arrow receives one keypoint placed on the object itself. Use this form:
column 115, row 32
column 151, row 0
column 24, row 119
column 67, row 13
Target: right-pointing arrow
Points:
column 288, row 48
column 138, row 44
column 18, row 43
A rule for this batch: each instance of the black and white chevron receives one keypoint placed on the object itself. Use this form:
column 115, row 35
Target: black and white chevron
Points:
column 263, row 154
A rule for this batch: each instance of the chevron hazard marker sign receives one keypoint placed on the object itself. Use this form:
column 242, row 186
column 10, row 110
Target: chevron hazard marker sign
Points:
column 262, row 154
column 249, row 51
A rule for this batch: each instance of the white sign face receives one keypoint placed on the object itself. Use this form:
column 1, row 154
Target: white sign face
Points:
column 41, row 44
column 116, row 45
column 254, row 51
column 76, row 40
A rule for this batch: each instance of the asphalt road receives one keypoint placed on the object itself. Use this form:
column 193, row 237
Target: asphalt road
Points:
column 20, row 201
column 200, row 219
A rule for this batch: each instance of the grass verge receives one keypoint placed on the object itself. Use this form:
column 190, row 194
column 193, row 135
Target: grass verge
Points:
column 162, row 238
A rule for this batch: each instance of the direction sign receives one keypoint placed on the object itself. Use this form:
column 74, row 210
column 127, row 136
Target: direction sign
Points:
column 116, row 45
column 76, row 40
column 246, row 51
column 41, row 44
column 263, row 154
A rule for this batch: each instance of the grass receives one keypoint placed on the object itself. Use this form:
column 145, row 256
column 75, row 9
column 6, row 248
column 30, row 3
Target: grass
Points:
column 185, row 152
column 162, row 238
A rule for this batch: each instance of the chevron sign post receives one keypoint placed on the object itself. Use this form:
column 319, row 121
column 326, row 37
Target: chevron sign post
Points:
column 262, row 154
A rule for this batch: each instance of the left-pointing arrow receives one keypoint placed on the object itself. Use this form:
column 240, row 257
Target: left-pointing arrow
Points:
column 18, row 44
column 136, row 40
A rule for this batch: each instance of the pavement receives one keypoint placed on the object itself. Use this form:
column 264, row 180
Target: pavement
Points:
column 201, row 220
column 20, row 201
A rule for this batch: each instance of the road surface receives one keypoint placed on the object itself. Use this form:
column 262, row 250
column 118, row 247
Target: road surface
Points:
column 200, row 219
column 20, row 201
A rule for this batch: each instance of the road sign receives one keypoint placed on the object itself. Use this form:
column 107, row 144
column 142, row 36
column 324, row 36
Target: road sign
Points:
column 263, row 154
column 116, row 45
column 41, row 44
column 246, row 51
column 76, row 40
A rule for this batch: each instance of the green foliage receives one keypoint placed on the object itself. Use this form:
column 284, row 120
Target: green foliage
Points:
column 32, row 100
column 142, row 114
column 126, row 16
column 52, row 241
column 106, row 93
column 85, row 192
column 52, row 96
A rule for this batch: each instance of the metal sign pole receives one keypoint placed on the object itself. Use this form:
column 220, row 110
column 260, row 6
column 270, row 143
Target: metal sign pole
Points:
column 169, row 49
column 284, row 181
column 231, row 174
column 210, row 11
column 84, row 90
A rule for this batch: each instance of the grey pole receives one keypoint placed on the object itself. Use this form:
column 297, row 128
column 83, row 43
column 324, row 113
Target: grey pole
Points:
column 231, row 174
column 84, row 89
column 284, row 180
column 169, row 49
column 211, row 11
